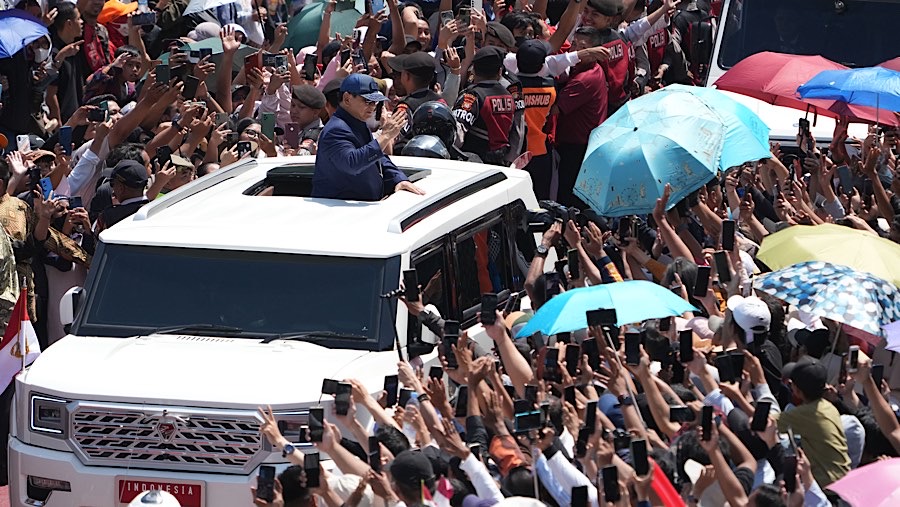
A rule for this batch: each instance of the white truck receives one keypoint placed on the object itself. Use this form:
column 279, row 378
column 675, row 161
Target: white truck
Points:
column 855, row 33
column 216, row 300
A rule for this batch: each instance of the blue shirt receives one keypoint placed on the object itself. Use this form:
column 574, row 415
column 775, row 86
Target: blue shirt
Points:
column 350, row 164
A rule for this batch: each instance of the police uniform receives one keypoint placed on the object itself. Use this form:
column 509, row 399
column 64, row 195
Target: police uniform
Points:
column 308, row 136
column 484, row 110
column 421, row 65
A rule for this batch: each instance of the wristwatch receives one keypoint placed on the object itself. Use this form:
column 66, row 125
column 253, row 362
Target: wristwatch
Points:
column 288, row 450
column 625, row 401
column 542, row 251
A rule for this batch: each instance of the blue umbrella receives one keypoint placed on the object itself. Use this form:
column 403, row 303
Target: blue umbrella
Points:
column 859, row 300
column 871, row 86
column 677, row 135
column 634, row 301
column 17, row 30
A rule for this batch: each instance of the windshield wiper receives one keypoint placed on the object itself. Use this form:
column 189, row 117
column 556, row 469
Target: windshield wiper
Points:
column 215, row 328
column 313, row 336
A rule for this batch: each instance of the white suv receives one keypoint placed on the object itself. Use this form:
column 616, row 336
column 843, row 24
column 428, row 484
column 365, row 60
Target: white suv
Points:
column 238, row 291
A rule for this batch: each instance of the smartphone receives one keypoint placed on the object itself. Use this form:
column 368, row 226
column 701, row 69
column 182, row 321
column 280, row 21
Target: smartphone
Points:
column 449, row 341
column 375, row 454
column 461, row 52
column 162, row 74
column 680, row 414
column 464, row 17
column 665, row 324
column 573, row 358
column 163, row 155
column 360, row 60
column 726, row 370
column 590, row 416
column 488, row 309
column 584, row 434
column 267, row 123
column 75, row 202
column 639, row 457
column 194, row 56
column 309, row 66
column 720, row 259
column 462, row 402
column 686, row 346
column 512, row 303
column 846, row 179
column 243, row 147
column 551, row 365
column 144, row 19
column 608, row 317
column 760, row 416
column 624, row 228
column 536, row 341
column 345, row 55
column 405, row 396
column 204, row 52
column 46, row 187
column 878, row 375
column 311, row 467
column 701, row 285
column 436, row 372
column 411, row 285
column 574, row 266
column 342, row 398
column 253, row 61
column 853, row 363
column 316, row 424
column 589, row 347
column 528, row 421
column 391, row 384
column 594, row 318
column 569, row 395
column 706, row 422
column 94, row 115
column 789, row 470
column 446, row 17
column 611, row 483
column 265, row 483
column 737, row 362
column 292, row 134
column 329, row 386
column 632, row 348
column 728, row 235
column 842, row 372
column 65, row 139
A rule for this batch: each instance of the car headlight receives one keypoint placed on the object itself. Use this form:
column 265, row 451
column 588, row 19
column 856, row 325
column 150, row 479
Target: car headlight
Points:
column 49, row 416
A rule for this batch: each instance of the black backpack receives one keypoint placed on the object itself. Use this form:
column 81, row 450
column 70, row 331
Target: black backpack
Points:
column 701, row 41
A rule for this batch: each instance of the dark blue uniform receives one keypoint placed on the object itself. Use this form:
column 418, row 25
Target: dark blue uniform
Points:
column 350, row 164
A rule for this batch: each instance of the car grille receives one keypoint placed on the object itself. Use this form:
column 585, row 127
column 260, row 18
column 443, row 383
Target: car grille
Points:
column 186, row 439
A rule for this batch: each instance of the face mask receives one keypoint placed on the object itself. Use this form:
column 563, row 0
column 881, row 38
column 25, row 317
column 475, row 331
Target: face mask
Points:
column 41, row 54
column 122, row 29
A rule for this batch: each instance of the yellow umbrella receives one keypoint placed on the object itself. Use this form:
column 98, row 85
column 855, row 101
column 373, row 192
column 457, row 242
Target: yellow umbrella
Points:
column 832, row 243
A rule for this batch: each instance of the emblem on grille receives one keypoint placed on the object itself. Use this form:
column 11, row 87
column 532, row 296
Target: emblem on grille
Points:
column 167, row 426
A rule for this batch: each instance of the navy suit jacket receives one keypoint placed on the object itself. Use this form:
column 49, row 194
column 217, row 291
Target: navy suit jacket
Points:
column 350, row 164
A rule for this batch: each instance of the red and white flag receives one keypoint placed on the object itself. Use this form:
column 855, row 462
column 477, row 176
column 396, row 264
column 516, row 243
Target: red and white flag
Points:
column 443, row 492
column 19, row 339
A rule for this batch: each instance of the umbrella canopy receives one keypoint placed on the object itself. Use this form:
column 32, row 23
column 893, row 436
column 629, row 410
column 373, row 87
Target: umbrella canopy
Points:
column 676, row 135
column 873, row 485
column 893, row 64
column 836, row 292
column 202, row 5
column 832, row 243
column 634, row 301
column 17, row 30
column 871, row 86
column 303, row 29
column 774, row 77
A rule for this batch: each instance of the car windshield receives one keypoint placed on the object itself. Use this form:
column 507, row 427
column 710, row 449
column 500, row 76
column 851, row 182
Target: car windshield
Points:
column 860, row 35
column 139, row 289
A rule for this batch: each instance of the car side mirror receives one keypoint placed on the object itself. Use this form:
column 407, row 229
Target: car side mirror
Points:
column 68, row 307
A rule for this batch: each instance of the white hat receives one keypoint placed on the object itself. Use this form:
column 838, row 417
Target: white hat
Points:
column 155, row 497
column 751, row 314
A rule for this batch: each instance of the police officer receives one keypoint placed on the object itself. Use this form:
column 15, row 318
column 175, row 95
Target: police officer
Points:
column 307, row 103
column 435, row 119
column 484, row 110
column 414, row 75
column 619, row 68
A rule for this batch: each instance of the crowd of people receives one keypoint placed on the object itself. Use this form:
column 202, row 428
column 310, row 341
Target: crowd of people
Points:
column 116, row 108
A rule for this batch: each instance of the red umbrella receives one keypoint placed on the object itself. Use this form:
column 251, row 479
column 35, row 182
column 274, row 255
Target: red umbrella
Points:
column 774, row 78
column 891, row 64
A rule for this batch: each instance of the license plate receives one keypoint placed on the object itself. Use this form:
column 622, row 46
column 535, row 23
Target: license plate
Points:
column 188, row 493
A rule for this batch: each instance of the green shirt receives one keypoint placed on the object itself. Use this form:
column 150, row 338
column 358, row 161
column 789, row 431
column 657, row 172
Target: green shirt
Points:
column 823, row 439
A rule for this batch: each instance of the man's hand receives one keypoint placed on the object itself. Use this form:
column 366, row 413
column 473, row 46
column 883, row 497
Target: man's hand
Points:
column 17, row 163
column 331, row 438
column 269, row 428
column 551, row 236
column 408, row 376
column 408, row 187
column 47, row 209
column 659, row 211
column 69, row 50
column 277, row 498
column 393, row 124
column 451, row 441
column 230, row 45
column 49, row 17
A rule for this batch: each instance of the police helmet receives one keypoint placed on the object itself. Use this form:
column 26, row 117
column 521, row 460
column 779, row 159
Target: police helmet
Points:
column 425, row 146
column 435, row 118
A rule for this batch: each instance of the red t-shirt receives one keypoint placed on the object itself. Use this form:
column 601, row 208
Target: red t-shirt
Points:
column 582, row 104
column 94, row 52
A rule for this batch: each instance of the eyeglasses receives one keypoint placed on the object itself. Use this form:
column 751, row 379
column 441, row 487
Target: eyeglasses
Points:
column 368, row 102
column 251, row 133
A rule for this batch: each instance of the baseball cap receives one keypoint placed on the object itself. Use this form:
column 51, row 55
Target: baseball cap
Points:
column 412, row 468
column 310, row 96
column 498, row 30
column 364, row 86
column 179, row 161
column 751, row 314
column 418, row 63
column 131, row 173
column 531, row 55
column 607, row 7
column 115, row 9
column 810, row 376
column 330, row 50
column 488, row 59
column 155, row 497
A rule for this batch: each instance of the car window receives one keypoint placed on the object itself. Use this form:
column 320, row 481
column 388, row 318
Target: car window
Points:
column 482, row 257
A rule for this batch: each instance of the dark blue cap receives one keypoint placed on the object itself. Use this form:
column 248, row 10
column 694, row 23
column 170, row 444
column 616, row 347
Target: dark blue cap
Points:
column 363, row 85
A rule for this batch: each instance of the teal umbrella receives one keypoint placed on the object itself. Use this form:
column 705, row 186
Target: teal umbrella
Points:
column 303, row 29
column 634, row 301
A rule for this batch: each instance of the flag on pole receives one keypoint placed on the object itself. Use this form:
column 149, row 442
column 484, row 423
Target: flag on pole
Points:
column 20, row 346
column 442, row 494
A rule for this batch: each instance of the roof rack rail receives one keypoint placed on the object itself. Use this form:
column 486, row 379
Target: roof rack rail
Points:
column 462, row 190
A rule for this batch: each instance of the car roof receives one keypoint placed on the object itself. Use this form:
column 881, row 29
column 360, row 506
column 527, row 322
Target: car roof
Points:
column 219, row 212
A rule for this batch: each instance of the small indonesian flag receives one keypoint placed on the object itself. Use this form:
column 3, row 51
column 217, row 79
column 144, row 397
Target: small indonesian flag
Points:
column 19, row 337
column 442, row 494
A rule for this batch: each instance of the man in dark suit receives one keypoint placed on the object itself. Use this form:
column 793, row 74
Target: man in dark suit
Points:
column 128, row 180
column 350, row 163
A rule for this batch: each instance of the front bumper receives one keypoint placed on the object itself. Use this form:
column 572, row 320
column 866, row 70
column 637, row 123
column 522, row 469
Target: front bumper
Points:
column 96, row 486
